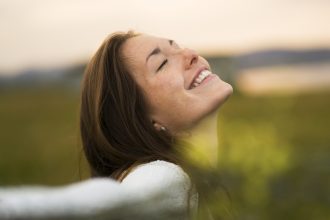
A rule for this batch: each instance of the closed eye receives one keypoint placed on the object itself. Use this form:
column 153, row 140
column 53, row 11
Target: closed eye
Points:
column 161, row 65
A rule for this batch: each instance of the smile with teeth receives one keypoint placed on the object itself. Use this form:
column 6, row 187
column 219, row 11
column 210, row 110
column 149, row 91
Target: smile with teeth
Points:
column 199, row 79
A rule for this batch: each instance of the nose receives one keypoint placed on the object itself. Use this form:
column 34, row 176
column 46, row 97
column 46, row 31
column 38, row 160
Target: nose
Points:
column 190, row 57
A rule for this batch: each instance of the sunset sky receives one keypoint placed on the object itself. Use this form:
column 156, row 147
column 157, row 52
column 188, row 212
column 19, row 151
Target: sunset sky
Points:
column 48, row 33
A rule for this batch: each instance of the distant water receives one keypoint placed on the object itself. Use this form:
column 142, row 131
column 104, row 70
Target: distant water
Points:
column 285, row 79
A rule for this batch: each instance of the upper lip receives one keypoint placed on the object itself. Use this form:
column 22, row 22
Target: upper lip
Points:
column 196, row 75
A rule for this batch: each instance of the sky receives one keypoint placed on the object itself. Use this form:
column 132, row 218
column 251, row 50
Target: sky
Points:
column 48, row 33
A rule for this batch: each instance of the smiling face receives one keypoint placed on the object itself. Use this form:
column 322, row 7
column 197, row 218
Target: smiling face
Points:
column 179, row 88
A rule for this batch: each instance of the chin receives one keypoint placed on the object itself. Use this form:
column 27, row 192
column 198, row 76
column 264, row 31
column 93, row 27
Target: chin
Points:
column 227, row 90
column 208, row 106
column 223, row 93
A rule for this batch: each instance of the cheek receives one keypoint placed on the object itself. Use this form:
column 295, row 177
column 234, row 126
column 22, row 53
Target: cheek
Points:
column 164, row 92
column 165, row 85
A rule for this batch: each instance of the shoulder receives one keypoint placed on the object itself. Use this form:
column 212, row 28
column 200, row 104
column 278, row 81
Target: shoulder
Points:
column 158, row 174
column 163, row 186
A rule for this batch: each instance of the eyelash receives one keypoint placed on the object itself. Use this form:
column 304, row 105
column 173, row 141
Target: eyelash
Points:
column 173, row 43
column 161, row 65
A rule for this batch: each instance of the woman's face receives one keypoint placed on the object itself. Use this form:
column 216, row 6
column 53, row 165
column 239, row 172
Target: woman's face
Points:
column 177, row 82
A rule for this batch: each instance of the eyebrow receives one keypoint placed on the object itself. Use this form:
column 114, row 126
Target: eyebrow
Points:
column 157, row 50
column 154, row 52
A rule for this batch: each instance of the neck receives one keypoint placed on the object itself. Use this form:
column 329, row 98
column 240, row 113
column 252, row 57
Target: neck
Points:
column 204, row 141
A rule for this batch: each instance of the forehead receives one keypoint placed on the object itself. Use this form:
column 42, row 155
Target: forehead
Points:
column 137, row 48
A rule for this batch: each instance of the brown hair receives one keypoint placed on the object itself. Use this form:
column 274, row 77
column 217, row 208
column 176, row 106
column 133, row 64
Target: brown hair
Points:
column 116, row 132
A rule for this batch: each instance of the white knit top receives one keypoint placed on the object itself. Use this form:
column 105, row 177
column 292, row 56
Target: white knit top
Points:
column 155, row 190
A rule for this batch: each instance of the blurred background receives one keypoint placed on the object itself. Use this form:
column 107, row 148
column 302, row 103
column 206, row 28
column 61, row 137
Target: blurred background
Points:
column 274, row 140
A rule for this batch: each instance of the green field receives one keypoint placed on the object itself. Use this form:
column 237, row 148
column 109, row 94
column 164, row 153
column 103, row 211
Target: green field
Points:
column 275, row 156
column 274, row 151
column 39, row 136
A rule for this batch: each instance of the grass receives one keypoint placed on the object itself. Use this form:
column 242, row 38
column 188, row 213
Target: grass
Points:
column 38, row 136
column 274, row 151
column 275, row 155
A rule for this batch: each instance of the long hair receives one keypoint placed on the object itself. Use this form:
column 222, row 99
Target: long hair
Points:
column 116, row 132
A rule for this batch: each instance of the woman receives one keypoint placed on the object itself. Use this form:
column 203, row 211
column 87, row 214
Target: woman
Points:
column 140, row 93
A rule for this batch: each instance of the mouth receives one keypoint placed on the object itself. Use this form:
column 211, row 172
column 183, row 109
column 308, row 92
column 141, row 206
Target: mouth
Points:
column 199, row 77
